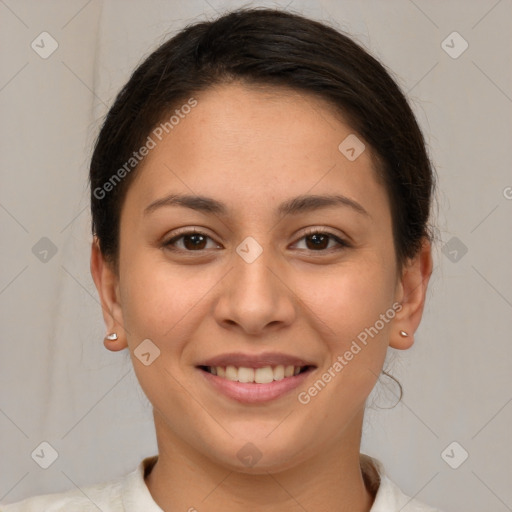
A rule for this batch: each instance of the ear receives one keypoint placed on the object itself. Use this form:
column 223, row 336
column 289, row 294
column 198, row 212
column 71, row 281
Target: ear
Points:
column 107, row 284
column 411, row 292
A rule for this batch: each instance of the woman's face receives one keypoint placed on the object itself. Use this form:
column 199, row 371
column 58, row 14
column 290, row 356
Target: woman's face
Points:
column 255, row 288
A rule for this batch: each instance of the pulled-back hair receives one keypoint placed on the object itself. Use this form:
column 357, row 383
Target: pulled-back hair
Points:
column 275, row 48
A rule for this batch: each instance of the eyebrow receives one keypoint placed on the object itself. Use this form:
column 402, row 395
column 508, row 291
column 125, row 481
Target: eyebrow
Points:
column 294, row 206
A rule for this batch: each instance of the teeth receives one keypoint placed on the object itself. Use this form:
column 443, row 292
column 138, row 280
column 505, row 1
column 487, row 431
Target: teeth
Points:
column 255, row 375
column 263, row 375
column 245, row 375
column 278, row 372
column 231, row 373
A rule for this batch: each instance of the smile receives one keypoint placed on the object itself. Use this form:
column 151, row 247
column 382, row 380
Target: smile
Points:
column 254, row 385
column 263, row 375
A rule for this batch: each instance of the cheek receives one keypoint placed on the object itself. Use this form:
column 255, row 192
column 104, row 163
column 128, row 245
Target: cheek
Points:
column 159, row 300
column 353, row 314
column 355, row 339
column 351, row 298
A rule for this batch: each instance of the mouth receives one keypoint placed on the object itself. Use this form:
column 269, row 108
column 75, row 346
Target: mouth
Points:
column 262, row 375
column 254, row 378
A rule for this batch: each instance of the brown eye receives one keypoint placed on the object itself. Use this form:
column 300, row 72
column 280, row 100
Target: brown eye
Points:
column 192, row 241
column 195, row 241
column 318, row 241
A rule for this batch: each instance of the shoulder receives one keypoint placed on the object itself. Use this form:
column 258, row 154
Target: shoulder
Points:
column 105, row 497
column 388, row 497
column 125, row 494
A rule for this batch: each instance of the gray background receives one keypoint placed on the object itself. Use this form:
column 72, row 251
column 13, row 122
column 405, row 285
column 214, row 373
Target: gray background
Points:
column 60, row 385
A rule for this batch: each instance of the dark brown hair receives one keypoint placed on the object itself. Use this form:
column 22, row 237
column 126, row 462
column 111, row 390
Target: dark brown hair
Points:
column 273, row 48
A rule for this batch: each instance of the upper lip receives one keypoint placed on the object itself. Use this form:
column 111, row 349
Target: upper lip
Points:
column 239, row 359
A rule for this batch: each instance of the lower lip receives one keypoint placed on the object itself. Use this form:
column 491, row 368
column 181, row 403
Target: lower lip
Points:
column 252, row 392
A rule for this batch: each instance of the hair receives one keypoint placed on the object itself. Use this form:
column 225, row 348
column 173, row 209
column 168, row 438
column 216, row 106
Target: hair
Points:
column 269, row 47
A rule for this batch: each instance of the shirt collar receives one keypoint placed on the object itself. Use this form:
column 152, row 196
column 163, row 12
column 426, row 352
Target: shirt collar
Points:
column 136, row 495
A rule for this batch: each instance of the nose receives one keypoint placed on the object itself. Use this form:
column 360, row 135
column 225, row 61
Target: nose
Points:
column 255, row 296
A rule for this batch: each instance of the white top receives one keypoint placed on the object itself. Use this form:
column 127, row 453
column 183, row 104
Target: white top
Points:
column 130, row 494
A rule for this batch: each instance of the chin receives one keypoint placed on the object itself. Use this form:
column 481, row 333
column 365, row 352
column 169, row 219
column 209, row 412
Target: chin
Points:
column 261, row 456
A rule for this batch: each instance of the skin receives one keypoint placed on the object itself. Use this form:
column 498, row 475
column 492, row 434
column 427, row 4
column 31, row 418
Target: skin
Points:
column 253, row 148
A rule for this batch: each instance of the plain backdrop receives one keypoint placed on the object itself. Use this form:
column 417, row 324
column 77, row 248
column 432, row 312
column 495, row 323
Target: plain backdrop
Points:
column 59, row 384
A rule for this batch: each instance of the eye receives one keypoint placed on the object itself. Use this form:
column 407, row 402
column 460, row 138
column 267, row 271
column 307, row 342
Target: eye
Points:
column 319, row 241
column 196, row 241
column 193, row 241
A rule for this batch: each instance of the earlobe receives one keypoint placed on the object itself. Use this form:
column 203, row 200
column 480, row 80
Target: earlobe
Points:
column 411, row 293
column 113, row 343
column 106, row 283
column 401, row 340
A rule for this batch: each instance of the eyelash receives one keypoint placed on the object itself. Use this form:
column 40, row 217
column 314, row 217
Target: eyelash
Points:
column 342, row 244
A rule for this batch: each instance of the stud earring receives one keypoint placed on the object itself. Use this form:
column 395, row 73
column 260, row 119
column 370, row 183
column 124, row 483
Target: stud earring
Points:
column 111, row 337
column 403, row 333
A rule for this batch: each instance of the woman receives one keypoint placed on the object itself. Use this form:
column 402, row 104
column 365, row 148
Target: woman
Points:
column 260, row 196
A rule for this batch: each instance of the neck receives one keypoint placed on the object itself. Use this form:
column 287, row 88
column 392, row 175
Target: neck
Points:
column 184, row 479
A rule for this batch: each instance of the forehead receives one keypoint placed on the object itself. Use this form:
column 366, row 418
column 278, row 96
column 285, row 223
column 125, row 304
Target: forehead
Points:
column 248, row 145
